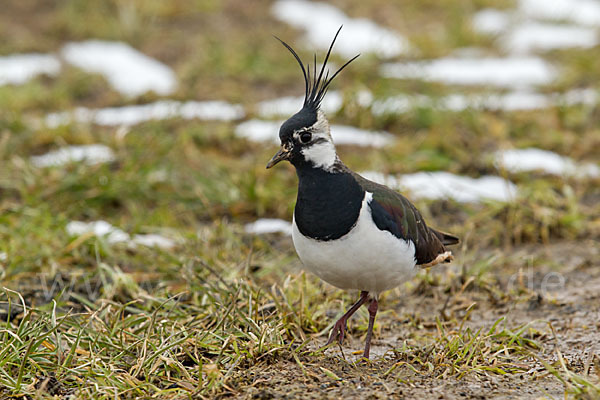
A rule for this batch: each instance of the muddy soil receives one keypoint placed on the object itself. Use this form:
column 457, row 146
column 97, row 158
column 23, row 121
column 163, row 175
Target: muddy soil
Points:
column 559, row 296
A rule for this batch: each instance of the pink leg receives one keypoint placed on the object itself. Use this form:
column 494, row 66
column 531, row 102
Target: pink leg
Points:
column 339, row 328
column 372, row 313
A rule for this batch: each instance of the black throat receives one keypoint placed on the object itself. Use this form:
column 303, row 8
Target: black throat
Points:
column 328, row 203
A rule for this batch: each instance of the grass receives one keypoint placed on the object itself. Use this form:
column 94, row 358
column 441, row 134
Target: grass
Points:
column 229, row 314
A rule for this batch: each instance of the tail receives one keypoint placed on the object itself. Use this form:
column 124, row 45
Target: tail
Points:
column 446, row 238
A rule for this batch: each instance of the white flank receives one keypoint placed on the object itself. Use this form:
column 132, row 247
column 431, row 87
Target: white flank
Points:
column 90, row 154
column 320, row 21
column 444, row 185
column 116, row 235
column 268, row 131
column 503, row 72
column 366, row 258
column 133, row 115
column 3, row 256
column 129, row 71
column 532, row 159
column 269, row 225
column 19, row 68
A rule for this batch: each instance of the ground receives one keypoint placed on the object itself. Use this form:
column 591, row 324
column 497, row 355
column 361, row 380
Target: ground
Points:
column 228, row 314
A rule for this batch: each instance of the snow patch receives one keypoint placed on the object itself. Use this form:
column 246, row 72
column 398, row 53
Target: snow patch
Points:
column 269, row 225
column 154, row 240
column 268, row 131
column 129, row 71
column 444, row 185
column 91, row 154
column 290, row 105
column 532, row 159
column 320, row 21
column 494, row 71
column 583, row 12
column 115, row 235
column 520, row 100
column 491, row 21
column 531, row 36
column 136, row 114
column 19, row 68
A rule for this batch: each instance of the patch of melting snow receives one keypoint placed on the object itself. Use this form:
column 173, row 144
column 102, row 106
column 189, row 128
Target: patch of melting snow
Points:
column 583, row 12
column 530, row 36
column 320, row 21
column 511, row 101
column 532, row 159
column 491, row 21
column 129, row 71
column 518, row 35
column 17, row 69
column 268, row 131
column 290, row 105
column 444, row 185
column 115, row 235
column 269, row 225
column 136, row 114
column 154, row 240
column 91, row 154
column 494, row 71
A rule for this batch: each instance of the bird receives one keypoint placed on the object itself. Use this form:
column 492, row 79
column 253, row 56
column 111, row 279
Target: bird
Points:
column 352, row 233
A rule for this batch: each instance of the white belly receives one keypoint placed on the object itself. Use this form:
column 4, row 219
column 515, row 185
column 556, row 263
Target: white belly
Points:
column 366, row 258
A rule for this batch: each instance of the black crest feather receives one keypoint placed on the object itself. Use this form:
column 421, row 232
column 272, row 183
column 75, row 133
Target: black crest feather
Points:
column 315, row 87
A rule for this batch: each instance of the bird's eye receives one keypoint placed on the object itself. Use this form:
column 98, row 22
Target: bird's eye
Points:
column 305, row 137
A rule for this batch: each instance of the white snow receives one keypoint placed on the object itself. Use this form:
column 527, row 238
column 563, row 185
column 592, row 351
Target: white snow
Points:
column 259, row 131
column 519, row 100
column 129, row 71
column 532, row 159
column 136, row 114
column 491, row 21
column 290, row 105
column 90, row 154
column 519, row 31
column 154, row 240
column 269, row 225
column 263, row 131
column 115, row 235
column 320, row 21
column 350, row 135
column 531, row 36
column 17, row 69
column 583, row 12
column 512, row 72
column 98, row 228
column 444, row 185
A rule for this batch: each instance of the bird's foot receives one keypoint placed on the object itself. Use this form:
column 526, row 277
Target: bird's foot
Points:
column 338, row 332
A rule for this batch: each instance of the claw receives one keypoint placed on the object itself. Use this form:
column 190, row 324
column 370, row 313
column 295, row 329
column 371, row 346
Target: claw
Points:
column 338, row 332
column 339, row 328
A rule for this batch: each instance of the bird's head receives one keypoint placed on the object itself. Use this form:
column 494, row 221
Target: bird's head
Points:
column 305, row 136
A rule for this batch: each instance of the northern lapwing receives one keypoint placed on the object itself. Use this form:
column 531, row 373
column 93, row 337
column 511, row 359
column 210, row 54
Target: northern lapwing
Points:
column 349, row 231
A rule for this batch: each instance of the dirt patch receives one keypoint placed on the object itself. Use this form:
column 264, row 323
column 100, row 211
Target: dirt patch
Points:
column 563, row 322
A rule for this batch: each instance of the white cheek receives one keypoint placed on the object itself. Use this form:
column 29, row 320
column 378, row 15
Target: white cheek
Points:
column 322, row 155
